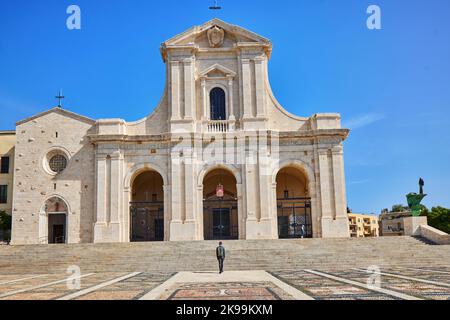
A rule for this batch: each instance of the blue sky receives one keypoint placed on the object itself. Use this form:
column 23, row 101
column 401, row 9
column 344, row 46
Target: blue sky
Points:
column 391, row 86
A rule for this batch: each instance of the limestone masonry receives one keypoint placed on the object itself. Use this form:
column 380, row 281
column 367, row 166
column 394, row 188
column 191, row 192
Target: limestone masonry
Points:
column 219, row 158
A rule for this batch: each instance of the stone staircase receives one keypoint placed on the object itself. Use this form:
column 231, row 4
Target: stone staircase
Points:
column 241, row 255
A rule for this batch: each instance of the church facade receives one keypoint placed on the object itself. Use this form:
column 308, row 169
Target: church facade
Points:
column 218, row 159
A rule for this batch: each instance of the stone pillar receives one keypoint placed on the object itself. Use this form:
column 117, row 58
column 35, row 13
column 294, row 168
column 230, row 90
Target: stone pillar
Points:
column 199, row 215
column 247, row 89
column 260, row 88
column 205, row 114
column 116, row 193
column 182, row 226
column 167, row 212
column 325, row 187
column 251, row 190
column 126, row 219
column 274, row 209
column 332, row 195
column 189, row 90
column 100, row 210
column 190, row 184
column 175, row 90
column 232, row 116
column 339, row 183
column 242, row 217
column 176, row 189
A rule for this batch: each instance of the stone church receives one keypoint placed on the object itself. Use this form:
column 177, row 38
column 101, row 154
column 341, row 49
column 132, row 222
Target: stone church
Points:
column 218, row 159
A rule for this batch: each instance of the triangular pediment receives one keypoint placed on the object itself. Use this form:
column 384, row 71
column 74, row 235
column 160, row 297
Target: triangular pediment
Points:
column 238, row 34
column 217, row 70
column 60, row 111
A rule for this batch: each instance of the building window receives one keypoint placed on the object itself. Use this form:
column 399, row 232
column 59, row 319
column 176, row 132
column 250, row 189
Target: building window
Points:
column 3, row 194
column 217, row 100
column 58, row 163
column 4, row 165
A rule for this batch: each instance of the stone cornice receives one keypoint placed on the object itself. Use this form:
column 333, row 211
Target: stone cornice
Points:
column 167, row 137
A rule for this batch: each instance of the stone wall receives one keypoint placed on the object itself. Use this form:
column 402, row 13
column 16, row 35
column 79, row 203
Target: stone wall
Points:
column 33, row 184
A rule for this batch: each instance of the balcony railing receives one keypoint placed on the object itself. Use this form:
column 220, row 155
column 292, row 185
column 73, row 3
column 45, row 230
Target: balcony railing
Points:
column 220, row 126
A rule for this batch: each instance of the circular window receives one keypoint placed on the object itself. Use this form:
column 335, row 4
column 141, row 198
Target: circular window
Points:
column 57, row 163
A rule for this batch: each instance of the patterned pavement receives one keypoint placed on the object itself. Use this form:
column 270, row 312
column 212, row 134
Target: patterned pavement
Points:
column 428, row 283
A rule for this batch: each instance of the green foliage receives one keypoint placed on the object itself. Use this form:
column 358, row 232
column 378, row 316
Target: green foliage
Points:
column 399, row 208
column 5, row 225
column 439, row 218
column 5, row 221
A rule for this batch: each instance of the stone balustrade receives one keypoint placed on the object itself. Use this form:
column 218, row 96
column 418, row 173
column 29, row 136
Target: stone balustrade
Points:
column 220, row 126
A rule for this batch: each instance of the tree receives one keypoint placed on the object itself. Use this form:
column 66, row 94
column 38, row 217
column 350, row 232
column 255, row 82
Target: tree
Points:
column 439, row 218
column 399, row 208
column 5, row 225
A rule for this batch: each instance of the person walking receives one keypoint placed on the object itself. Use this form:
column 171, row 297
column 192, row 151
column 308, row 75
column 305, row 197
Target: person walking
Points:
column 220, row 253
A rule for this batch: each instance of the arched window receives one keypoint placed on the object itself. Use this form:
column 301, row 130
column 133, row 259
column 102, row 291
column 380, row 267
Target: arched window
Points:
column 217, row 100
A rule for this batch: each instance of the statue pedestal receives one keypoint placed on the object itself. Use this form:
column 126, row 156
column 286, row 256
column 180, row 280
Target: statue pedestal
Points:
column 412, row 225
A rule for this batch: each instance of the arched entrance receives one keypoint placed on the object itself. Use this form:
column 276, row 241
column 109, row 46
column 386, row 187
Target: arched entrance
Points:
column 147, row 208
column 293, row 204
column 56, row 211
column 220, row 206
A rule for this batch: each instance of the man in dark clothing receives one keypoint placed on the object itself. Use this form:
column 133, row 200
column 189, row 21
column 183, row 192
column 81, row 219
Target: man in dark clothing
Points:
column 220, row 253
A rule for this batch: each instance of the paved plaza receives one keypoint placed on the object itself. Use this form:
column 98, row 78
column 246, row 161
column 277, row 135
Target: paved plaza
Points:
column 396, row 283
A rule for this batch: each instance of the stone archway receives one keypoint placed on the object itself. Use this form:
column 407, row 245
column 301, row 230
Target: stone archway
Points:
column 294, row 205
column 147, row 221
column 53, row 221
column 220, row 205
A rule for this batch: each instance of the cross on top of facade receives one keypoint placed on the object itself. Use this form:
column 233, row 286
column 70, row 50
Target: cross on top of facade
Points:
column 60, row 97
column 215, row 6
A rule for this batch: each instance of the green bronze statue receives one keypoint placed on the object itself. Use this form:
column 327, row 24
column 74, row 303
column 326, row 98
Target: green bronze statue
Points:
column 415, row 199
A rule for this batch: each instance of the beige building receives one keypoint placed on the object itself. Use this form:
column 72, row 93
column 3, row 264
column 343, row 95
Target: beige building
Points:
column 7, row 143
column 219, row 158
column 393, row 223
column 363, row 225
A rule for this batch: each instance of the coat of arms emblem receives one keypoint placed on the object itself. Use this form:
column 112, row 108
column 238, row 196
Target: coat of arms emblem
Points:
column 216, row 36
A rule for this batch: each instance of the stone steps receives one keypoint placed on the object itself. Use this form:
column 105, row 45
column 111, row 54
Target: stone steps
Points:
column 242, row 255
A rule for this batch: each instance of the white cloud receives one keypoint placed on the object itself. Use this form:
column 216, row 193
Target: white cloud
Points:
column 363, row 121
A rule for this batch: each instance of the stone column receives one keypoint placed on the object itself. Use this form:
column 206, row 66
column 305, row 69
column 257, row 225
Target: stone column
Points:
column 232, row 116
column 260, row 85
column 100, row 211
column 327, row 202
column 176, row 189
column 242, row 217
column 126, row 219
column 339, row 183
column 199, row 215
column 332, row 195
column 167, row 212
column 116, row 199
column 181, row 229
column 175, row 90
column 247, row 89
column 274, row 209
column 205, row 115
column 190, row 184
column 189, row 90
